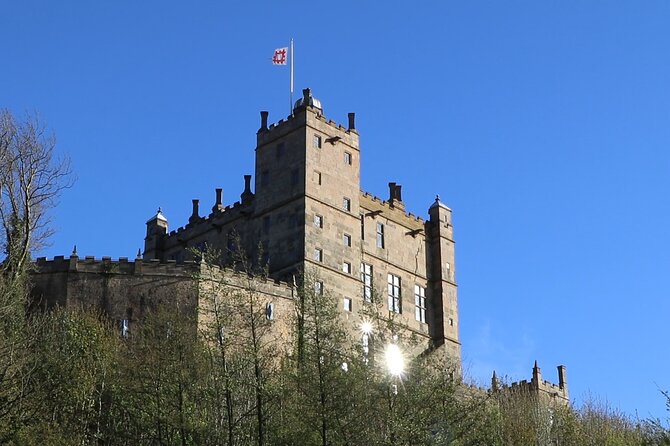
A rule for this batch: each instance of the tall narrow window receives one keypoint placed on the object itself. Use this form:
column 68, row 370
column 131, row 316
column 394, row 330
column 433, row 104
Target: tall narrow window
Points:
column 380, row 235
column 346, row 204
column 318, row 255
column 394, row 293
column 270, row 311
column 366, row 278
column 420, row 303
column 317, row 177
column 318, row 287
column 318, row 221
column 346, row 240
column 316, row 142
column 347, row 158
column 346, row 267
column 124, row 326
column 347, row 304
column 362, row 226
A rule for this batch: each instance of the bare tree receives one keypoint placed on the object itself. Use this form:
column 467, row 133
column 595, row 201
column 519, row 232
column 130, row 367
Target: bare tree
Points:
column 31, row 179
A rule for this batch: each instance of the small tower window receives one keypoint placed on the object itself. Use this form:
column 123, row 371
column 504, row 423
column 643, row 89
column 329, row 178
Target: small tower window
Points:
column 346, row 267
column 420, row 303
column 270, row 311
column 347, row 158
column 346, row 239
column 318, row 221
column 348, row 304
column 346, row 204
column 317, row 177
column 124, row 326
column 318, row 254
column 316, row 142
column 394, row 298
column 380, row 235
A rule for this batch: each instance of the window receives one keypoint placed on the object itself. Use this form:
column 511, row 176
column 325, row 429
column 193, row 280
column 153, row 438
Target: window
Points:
column 317, row 177
column 366, row 278
column 346, row 267
column 348, row 304
column 316, row 142
column 124, row 326
column 265, row 178
column 318, row 254
column 346, row 239
column 347, row 158
column 380, row 235
column 280, row 150
column 420, row 303
column 447, row 266
column 270, row 311
column 394, row 293
column 318, row 221
column 295, row 177
column 318, row 287
column 451, row 322
column 346, row 204
column 362, row 227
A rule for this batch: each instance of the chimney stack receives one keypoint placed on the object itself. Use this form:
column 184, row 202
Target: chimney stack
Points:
column 218, row 206
column 562, row 377
column 352, row 119
column 194, row 216
column 395, row 195
column 247, row 196
column 264, row 120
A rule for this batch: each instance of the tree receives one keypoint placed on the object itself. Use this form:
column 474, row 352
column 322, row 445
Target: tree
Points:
column 31, row 180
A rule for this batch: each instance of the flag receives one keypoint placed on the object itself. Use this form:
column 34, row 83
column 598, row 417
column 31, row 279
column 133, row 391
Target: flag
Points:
column 280, row 56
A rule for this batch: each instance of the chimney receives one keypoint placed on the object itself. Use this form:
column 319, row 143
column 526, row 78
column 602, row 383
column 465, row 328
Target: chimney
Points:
column 352, row 119
column 562, row 377
column 194, row 216
column 395, row 196
column 247, row 196
column 218, row 206
column 264, row 120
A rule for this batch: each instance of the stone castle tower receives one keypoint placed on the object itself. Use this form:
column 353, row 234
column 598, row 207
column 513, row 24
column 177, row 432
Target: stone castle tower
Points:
column 308, row 213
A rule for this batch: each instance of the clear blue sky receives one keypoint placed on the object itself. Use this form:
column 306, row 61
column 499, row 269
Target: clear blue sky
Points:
column 544, row 125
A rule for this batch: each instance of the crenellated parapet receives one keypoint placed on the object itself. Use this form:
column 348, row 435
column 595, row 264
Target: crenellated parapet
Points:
column 105, row 265
column 538, row 386
column 390, row 210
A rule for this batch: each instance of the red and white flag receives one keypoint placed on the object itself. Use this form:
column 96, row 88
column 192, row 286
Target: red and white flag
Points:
column 280, row 56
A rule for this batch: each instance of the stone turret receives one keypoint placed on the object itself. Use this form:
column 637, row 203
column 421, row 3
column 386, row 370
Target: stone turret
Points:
column 157, row 229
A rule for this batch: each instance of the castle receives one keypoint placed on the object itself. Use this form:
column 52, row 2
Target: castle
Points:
column 306, row 213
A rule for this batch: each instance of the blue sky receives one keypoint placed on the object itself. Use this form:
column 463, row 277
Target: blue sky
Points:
column 544, row 125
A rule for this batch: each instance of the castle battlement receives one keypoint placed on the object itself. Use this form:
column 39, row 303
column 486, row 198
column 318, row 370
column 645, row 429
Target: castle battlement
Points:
column 390, row 207
column 538, row 386
column 105, row 265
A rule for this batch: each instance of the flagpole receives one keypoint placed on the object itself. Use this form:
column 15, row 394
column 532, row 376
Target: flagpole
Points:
column 291, row 88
